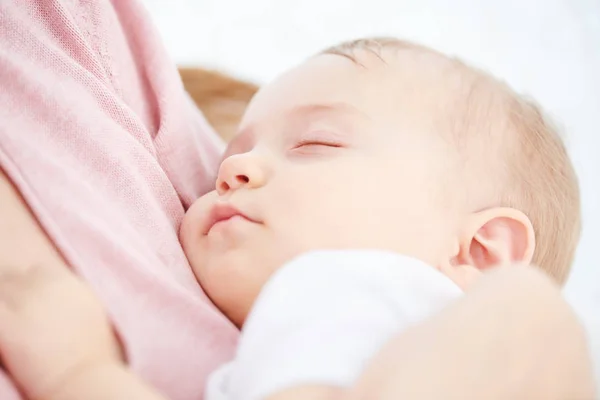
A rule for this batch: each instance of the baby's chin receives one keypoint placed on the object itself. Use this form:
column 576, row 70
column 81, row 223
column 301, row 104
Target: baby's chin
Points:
column 233, row 279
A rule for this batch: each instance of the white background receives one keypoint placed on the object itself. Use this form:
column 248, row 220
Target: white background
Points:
column 546, row 48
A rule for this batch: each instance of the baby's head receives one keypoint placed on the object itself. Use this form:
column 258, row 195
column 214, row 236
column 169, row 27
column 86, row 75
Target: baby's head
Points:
column 384, row 144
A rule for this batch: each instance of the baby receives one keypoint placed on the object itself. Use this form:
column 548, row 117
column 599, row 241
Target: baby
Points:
column 367, row 188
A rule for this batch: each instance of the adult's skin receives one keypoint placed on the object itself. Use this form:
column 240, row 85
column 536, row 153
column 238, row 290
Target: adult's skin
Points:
column 512, row 336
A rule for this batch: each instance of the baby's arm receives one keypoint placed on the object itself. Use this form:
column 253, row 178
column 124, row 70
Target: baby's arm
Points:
column 56, row 341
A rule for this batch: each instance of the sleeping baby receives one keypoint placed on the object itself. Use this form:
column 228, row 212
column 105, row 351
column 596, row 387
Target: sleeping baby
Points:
column 366, row 189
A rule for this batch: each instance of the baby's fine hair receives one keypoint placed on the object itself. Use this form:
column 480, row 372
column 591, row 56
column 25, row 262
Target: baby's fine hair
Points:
column 518, row 150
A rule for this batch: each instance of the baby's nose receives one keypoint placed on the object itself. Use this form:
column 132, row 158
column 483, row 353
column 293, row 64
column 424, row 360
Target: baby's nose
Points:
column 232, row 183
column 241, row 171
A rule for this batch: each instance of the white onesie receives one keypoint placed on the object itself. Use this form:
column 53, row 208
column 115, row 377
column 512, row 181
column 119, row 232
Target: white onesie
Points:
column 322, row 316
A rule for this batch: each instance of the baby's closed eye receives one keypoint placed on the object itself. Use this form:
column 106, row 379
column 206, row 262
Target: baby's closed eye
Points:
column 317, row 141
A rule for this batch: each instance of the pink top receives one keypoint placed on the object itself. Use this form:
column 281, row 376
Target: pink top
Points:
column 98, row 135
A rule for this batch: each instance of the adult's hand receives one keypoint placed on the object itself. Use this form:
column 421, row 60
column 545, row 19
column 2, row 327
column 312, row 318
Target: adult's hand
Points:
column 512, row 336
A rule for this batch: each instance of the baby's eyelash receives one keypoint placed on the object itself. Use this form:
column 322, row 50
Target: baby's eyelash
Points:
column 317, row 142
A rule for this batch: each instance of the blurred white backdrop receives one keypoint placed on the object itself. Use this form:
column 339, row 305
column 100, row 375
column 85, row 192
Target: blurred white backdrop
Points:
column 549, row 49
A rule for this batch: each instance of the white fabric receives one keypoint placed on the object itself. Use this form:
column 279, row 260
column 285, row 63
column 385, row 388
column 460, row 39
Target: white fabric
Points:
column 322, row 316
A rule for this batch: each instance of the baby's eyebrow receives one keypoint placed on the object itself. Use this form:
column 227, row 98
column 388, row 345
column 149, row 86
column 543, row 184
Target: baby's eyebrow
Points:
column 328, row 108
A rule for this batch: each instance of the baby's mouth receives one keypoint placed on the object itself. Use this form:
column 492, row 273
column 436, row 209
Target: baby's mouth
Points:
column 220, row 213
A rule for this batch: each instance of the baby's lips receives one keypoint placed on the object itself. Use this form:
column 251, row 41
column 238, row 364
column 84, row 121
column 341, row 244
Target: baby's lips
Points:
column 220, row 212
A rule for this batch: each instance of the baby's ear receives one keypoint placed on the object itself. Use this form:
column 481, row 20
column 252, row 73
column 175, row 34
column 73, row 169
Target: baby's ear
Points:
column 496, row 236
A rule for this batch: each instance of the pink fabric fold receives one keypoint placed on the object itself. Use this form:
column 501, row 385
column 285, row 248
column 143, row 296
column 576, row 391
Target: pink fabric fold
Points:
column 98, row 135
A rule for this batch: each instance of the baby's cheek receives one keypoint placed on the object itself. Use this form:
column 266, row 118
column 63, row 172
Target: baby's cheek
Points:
column 190, row 231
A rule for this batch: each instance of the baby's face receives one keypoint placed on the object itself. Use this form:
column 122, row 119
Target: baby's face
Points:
column 331, row 155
